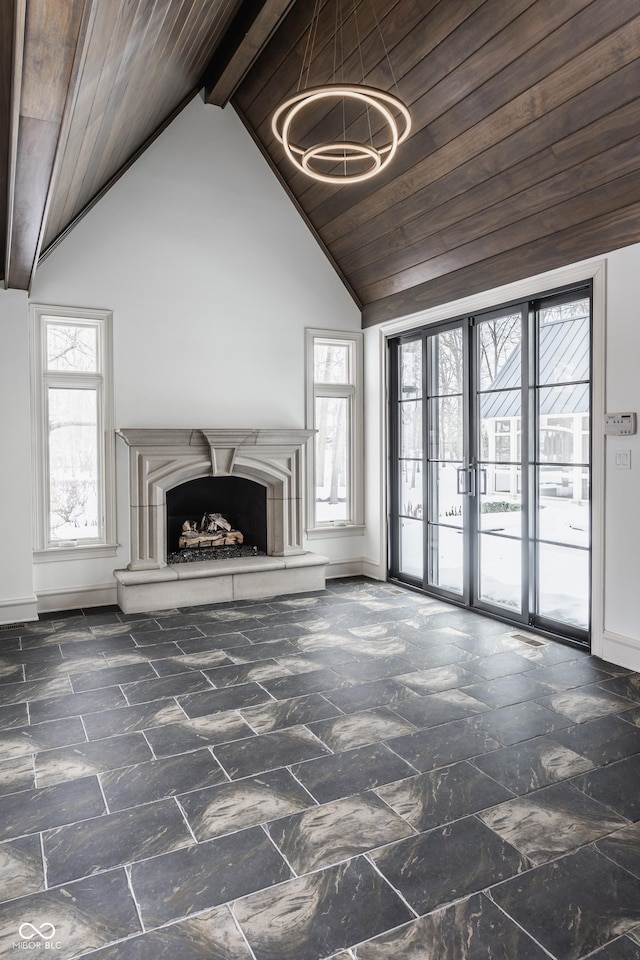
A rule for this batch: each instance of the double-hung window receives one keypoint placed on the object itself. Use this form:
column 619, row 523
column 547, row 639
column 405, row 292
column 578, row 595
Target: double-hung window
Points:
column 73, row 432
column 334, row 412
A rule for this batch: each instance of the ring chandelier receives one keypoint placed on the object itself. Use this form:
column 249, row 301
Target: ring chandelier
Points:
column 345, row 156
column 344, row 152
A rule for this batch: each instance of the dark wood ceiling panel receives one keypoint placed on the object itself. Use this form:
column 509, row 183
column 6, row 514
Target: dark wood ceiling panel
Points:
column 608, row 232
column 51, row 33
column 524, row 151
column 143, row 59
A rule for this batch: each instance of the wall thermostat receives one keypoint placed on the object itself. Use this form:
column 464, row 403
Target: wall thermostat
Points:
column 620, row 424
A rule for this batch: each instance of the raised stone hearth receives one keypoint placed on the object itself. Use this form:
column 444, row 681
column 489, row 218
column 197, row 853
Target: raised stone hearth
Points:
column 162, row 459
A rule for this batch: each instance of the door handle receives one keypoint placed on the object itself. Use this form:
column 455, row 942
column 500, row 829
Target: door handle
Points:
column 461, row 485
column 472, row 481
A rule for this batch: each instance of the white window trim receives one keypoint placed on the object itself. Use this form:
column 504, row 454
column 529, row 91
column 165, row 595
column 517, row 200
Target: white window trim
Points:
column 43, row 549
column 354, row 526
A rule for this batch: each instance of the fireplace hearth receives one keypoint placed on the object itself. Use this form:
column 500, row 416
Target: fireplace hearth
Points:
column 162, row 466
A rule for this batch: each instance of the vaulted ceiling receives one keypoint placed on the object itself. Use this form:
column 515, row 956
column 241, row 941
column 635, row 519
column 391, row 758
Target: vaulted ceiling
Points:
column 524, row 152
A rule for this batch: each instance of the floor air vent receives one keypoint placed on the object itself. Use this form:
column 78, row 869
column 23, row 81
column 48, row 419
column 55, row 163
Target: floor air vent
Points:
column 12, row 626
column 530, row 640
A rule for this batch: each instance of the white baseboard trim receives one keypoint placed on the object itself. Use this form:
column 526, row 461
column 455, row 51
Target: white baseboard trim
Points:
column 19, row 610
column 71, row 598
column 344, row 568
column 374, row 569
column 621, row 650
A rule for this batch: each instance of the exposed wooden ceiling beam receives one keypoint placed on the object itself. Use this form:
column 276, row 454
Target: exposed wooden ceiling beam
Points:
column 251, row 29
column 12, row 24
column 42, row 74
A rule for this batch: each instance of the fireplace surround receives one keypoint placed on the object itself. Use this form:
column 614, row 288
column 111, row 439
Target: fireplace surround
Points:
column 161, row 459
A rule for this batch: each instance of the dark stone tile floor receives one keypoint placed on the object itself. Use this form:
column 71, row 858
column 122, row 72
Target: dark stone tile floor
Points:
column 358, row 774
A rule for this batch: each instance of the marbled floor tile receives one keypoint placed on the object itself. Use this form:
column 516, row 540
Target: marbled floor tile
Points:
column 75, row 704
column 85, row 759
column 217, row 628
column 359, row 729
column 136, row 655
column 372, row 669
column 121, row 627
column 623, row 847
column 245, row 672
column 72, row 635
column 572, row 673
column 34, row 690
column 190, row 662
column 211, row 935
column 443, row 745
column 14, row 715
column 354, row 771
column 376, row 693
column 311, row 917
column 205, row 875
column 157, row 779
column 227, row 698
column 19, row 741
column 568, row 916
column 242, row 758
column 170, row 635
column 602, row 741
column 521, row 721
column 443, row 795
column 16, row 775
column 268, row 650
column 551, row 821
column 48, row 670
column 215, row 811
column 427, row 657
column 11, row 672
column 550, row 653
column 616, row 786
column 336, row 831
column 437, row 679
column 437, row 708
column 110, row 676
column 318, row 659
column 473, row 929
column 31, row 811
column 533, row 764
column 108, row 723
column 507, row 690
column 226, row 641
column 625, row 686
column 316, row 681
column 175, row 738
column 162, row 688
column 586, row 703
column 500, row 665
column 278, row 714
column 624, row 948
column 21, row 868
column 86, row 915
column 275, row 631
column 93, row 846
column 488, row 646
column 631, row 716
column 437, row 867
column 96, row 645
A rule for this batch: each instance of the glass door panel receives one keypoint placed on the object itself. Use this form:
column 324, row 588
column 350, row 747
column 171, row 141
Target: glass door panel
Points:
column 447, row 467
column 491, row 475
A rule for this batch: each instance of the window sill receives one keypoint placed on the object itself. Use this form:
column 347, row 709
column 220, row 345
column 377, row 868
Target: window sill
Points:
column 335, row 530
column 87, row 551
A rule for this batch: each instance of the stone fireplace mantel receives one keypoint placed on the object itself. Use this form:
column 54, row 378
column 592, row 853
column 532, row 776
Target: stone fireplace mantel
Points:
column 161, row 459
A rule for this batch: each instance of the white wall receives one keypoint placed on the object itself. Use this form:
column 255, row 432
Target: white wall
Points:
column 17, row 600
column 212, row 277
column 616, row 630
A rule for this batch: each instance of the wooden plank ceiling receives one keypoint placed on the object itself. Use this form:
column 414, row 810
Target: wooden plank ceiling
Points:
column 524, row 152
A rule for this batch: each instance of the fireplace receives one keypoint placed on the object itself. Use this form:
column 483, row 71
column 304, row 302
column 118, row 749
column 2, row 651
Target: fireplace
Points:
column 241, row 502
column 163, row 461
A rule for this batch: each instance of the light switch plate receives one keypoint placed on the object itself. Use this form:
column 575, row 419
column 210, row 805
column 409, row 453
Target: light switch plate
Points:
column 622, row 459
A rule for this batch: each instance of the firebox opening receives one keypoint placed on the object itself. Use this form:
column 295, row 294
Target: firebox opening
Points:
column 241, row 502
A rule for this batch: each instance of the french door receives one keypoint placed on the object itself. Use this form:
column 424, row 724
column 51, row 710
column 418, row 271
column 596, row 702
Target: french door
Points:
column 490, row 461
